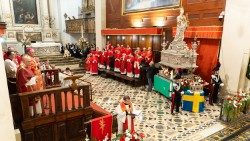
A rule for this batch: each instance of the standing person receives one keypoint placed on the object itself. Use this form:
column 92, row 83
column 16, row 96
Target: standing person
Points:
column 150, row 72
column 88, row 61
column 176, row 98
column 11, row 69
column 137, row 64
column 26, row 82
column 129, row 65
column 94, row 65
column 117, row 64
column 124, row 112
column 35, row 67
column 216, row 84
column 123, row 64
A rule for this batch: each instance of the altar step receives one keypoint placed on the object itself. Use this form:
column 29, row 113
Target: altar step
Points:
column 60, row 62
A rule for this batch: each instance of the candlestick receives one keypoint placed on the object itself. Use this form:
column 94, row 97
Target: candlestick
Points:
column 171, row 74
column 23, row 34
column 82, row 30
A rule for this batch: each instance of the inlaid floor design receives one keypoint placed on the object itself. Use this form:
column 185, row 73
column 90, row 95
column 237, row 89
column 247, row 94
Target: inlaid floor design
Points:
column 157, row 122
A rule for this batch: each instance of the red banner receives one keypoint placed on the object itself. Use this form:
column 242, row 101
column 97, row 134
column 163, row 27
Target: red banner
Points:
column 100, row 127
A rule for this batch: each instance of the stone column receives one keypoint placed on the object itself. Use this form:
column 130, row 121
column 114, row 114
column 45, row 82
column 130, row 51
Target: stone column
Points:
column 47, row 32
column 6, row 129
column 100, row 22
column 235, row 43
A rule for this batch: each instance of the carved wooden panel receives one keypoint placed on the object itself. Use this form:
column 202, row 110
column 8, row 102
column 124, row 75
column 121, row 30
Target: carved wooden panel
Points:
column 197, row 9
column 74, row 128
column 44, row 133
column 61, row 131
column 29, row 136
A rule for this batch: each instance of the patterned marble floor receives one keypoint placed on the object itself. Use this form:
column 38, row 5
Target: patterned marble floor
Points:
column 157, row 123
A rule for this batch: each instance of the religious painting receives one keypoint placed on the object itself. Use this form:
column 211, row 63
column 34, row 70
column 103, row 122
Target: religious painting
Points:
column 130, row 6
column 25, row 11
column 33, row 36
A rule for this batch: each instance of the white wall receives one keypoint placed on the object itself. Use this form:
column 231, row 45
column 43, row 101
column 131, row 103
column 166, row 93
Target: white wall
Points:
column 71, row 8
column 100, row 22
column 235, row 44
column 7, row 132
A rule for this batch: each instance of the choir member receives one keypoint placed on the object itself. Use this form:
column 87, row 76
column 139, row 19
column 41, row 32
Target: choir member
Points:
column 128, row 50
column 123, row 64
column 118, row 56
column 137, row 64
column 129, row 65
column 102, row 59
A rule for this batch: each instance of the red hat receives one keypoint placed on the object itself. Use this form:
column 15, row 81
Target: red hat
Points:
column 29, row 49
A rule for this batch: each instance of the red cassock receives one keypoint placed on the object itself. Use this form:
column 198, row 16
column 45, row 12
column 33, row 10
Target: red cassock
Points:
column 109, row 55
column 102, row 60
column 149, row 56
column 129, row 65
column 137, row 69
column 123, row 64
column 88, row 64
column 23, row 76
column 117, row 64
column 138, row 52
column 94, row 65
column 128, row 51
column 144, row 54
column 123, row 50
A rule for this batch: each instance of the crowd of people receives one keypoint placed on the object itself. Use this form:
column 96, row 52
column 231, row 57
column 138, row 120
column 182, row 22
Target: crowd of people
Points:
column 120, row 59
column 74, row 50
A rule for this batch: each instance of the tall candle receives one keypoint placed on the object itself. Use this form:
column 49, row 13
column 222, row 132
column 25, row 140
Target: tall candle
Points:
column 82, row 30
column 171, row 74
column 23, row 34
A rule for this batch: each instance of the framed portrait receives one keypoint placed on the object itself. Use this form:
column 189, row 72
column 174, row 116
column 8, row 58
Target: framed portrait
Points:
column 132, row 6
column 25, row 11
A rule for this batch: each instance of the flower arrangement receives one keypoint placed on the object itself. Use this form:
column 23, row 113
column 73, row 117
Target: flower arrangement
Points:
column 234, row 105
column 129, row 136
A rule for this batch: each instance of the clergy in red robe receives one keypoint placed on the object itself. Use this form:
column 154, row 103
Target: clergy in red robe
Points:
column 94, row 65
column 24, row 74
column 102, row 59
column 26, row 82
column 88, row 61
column 128, row 50
column 108, row 59
column 118, row 56
column 149, row 55
column 137, row 63
column 123, row 64
column 129, row 65
column 35, row 67
column 137, row 51
column 125, row 119
column 123, row 50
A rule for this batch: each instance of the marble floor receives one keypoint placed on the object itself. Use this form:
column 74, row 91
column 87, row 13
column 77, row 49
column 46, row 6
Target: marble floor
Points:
column 157, row 122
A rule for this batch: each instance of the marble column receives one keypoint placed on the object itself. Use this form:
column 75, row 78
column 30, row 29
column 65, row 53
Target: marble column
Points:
column 100, row 22
column 6, row 122
column 47, row 32
column 235, row 44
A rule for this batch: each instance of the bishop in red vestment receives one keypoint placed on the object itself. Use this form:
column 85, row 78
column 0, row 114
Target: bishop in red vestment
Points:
column 88, row 61
column 128, row 50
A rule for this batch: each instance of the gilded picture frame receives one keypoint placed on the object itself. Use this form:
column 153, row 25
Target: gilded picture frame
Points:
column 135, row 6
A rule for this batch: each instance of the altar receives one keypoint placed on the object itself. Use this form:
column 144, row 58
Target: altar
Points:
column 46, row 48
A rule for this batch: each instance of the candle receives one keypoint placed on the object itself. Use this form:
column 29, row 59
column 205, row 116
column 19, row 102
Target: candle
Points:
column 171, row 74
column 82, row 30
column 23, row 33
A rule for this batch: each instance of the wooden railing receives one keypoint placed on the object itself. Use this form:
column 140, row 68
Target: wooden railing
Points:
column 54, row 100
column 55, row 114
column 51, row 78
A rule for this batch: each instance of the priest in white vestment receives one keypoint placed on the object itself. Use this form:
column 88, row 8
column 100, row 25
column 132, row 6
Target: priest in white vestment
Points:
column 125, row 118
